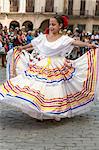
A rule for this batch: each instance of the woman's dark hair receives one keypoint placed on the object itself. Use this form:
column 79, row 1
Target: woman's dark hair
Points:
column 62, row 19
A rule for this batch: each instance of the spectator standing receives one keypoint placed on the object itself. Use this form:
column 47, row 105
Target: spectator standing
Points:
column 29, row 37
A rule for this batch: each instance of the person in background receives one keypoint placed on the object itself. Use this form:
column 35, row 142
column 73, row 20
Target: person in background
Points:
column 29, row 37
column 76, row 51
column 1, row 27
column 2, row 49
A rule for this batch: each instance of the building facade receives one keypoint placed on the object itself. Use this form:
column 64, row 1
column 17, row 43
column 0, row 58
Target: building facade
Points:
column 34, row 14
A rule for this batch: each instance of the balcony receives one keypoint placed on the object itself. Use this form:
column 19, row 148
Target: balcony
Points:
column 29, row 9
column 78, row 14
column 48, row 12
column 82, row 14
column 14, row 9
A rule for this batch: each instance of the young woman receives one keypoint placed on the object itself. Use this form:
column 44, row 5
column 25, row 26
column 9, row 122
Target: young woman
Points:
column 54, row 87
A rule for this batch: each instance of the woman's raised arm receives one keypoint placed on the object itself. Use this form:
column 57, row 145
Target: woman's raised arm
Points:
column 83, row 44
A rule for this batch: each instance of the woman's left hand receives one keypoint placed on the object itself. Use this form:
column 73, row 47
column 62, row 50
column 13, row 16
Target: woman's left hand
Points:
column 92, row 46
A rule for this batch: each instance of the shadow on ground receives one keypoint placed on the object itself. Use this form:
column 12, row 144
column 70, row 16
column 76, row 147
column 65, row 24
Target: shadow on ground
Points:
column 13, row 118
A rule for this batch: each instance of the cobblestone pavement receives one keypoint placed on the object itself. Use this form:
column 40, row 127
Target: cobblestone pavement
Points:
column 18, row 131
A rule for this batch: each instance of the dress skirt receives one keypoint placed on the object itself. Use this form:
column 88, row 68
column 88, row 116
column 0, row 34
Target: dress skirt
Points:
column 19, row 61
column 54, row 87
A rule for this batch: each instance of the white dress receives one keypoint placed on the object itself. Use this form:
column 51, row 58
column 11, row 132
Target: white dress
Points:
column 19, row 61
column 54, row 87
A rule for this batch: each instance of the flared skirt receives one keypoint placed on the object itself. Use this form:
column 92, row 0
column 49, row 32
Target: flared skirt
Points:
column 54, row 87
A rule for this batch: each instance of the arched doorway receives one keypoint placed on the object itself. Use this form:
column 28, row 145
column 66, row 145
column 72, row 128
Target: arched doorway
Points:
column 1, row 26
column 28, row 25
column 14, row 24
column 44, row 25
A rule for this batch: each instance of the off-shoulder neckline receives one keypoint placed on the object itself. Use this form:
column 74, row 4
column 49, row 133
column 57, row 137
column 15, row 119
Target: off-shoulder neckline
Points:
column 53, row 41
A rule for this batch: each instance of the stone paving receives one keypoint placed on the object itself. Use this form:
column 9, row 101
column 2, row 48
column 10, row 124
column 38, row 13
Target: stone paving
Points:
column 18, row 131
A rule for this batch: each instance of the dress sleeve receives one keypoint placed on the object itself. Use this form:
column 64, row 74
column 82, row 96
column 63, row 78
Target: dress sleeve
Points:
column 67, row 43
column 67, row 40
column 36, row 41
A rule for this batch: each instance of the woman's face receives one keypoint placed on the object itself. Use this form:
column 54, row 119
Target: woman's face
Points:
column 54, row 26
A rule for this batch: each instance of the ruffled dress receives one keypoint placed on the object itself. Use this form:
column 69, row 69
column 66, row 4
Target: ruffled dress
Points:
column 54, row 87
column 19, row 61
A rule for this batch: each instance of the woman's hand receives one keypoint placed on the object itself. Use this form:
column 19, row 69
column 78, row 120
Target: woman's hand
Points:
column 20, row 48
column 92, row 46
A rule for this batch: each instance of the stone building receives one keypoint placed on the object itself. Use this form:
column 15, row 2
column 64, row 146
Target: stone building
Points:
column 34, row 14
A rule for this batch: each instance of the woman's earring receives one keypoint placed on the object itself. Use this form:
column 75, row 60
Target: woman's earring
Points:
column 60, row 31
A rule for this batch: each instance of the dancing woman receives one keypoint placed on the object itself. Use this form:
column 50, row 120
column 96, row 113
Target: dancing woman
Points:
column 54, row 87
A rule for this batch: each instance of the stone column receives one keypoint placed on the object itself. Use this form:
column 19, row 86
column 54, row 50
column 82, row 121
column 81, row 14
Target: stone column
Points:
column 22, row 6
column 1, row 5
column 39, row 6
column 76, row 7
column 58, row 6
column 89, row 25
column 5, row 5
column 90, row 6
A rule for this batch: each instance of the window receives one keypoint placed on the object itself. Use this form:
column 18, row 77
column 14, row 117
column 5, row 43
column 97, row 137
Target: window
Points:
column 49, row 7
column 82, row 7
column 14, row 5
column 95, row 27
column 70, row 7
column 81, row 27
column 97, row 8
column 30, row 5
